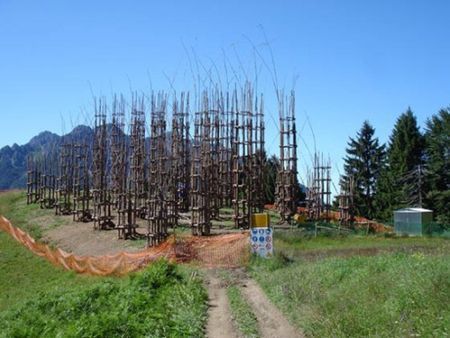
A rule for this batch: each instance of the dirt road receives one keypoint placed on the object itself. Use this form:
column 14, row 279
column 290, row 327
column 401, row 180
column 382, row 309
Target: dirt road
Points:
column 220, row 324
column 271, row 322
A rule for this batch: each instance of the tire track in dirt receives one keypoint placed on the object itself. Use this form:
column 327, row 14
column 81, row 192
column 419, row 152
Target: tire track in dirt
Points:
column 219, row 324
column 271, row 322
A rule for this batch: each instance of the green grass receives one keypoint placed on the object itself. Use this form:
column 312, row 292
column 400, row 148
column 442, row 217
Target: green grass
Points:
column 244, row 318
column 162, row 301
column 243, row 315
column 226, row 211
column 38, row 299
column 388, row 295
column 13, row 205
column 242, row 312
column 24, row 274
column 295, row 243
column 274, row 216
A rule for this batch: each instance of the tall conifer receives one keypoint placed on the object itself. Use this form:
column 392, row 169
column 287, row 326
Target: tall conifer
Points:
column 364, row 160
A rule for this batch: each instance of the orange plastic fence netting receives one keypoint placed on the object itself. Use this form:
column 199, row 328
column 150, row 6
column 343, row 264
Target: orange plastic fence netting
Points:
column 360, row 222
column 229, row 250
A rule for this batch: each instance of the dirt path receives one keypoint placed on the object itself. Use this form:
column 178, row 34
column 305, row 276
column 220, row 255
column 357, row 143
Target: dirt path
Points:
column 82, row 239
column 220, row 324
column 271, row 322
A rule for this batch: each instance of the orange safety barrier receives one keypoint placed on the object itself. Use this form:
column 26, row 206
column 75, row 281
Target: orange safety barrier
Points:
column 229, row 250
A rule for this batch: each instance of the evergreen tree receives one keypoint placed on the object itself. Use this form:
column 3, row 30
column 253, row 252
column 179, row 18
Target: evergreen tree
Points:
column 271, row 167
column 405, row 145
column 405, row 152
column 437, row 156
column 385, row 189
column 364, row 160
column 270, row 177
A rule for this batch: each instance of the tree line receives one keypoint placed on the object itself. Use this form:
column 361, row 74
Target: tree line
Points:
column 411, row 170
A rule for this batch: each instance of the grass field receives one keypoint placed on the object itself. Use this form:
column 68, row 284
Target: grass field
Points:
column 13, row 205
column 295, row 243
column 23, row 274
column 162, row 301
column 38, row 299
column 402, row 290
column 328, row 286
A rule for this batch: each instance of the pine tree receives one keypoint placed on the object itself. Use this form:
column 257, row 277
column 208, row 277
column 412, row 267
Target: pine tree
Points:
column 404, row 155
column 270, row 176
column 437, row 156
column 364, row 160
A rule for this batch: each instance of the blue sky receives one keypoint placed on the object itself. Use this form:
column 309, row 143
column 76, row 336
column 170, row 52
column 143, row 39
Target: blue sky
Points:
column 353, row 60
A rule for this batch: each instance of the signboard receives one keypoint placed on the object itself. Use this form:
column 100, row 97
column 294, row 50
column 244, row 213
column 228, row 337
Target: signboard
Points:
column 261, row 241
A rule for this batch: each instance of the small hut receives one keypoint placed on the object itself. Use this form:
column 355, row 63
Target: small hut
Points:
column 412, row 221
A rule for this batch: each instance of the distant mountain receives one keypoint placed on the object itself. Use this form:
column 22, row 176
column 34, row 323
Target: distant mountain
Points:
column 13, row 160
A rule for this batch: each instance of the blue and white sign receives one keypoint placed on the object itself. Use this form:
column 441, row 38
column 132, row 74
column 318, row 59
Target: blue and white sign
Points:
column 261, row 241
